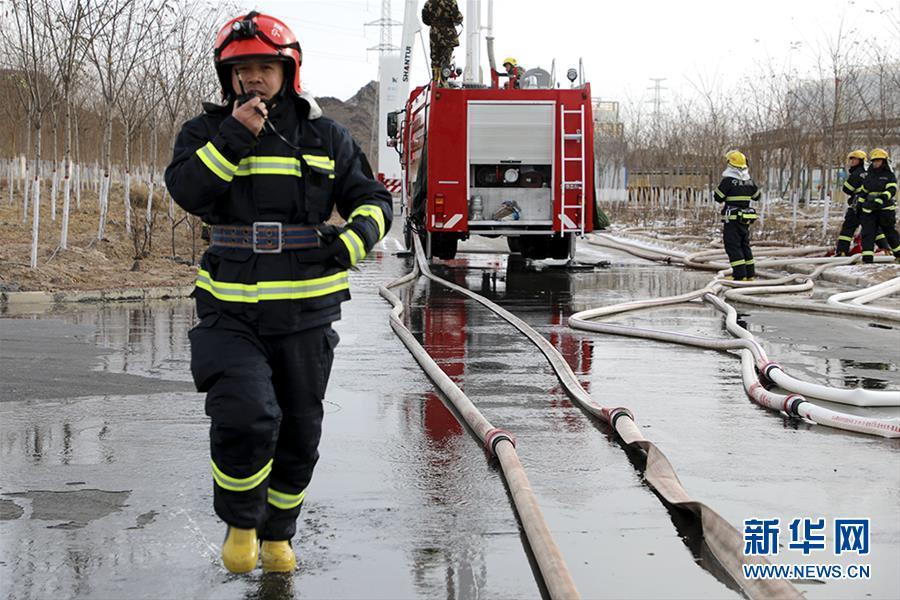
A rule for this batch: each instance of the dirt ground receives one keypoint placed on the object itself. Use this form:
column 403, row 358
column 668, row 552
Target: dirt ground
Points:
column 121, row 261
column 89, row 264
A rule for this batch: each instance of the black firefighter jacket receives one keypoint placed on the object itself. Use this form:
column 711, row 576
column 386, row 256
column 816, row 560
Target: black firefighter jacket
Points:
column 735, row 193
column 853, row 184
column 224, row 174
column 880, row 187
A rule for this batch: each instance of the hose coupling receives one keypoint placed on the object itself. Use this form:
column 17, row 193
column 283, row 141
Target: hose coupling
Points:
column 613, row 414
column 764, row 378
column 494, row 436
column 792, row 404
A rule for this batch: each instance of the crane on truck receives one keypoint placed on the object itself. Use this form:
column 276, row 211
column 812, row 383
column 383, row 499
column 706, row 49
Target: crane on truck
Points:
column 497, row 159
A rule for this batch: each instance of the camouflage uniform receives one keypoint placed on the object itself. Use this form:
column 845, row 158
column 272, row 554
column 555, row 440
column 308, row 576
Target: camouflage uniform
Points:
column 443, row 17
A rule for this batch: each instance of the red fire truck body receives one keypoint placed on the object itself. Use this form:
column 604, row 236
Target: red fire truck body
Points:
column 499, row 162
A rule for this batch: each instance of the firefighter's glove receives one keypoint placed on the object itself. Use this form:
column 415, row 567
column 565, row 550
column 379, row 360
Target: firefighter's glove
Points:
column 341, row 245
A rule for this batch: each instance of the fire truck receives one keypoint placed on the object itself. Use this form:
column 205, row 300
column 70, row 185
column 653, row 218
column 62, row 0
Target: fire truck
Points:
column 513, row 159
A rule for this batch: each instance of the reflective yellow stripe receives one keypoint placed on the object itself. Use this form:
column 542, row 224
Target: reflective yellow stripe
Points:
column 880, row 236
column 354, row 245
column 719, row 193
column 736, row 263
column 323, row 162
column 272, row 290
column 215, row 162
column 285, row 501
column 269, row 165
column 738, row 198
column 849, row 187
column 370, row 210
column 235, row 484
column 845, row 238
column 897, row 249
column 750, row 262
column 890, row 185
column 757, row 194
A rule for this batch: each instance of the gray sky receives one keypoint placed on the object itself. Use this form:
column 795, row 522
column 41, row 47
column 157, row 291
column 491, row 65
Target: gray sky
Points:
column 623, row 44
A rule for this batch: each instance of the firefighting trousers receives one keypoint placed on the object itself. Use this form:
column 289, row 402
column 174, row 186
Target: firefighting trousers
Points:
column 848, row 228
column 736, row 237
column 264, row 397
column 883, row 220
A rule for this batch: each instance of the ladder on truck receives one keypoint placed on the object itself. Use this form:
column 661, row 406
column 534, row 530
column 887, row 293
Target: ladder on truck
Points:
column 572, row 176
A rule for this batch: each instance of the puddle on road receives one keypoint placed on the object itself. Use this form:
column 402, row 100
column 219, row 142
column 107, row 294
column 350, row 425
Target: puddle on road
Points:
column 416, row 508
column 75, row 508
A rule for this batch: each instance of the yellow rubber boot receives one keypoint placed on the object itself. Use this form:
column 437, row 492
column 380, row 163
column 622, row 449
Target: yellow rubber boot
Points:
column 278, row 557
column 240, row 550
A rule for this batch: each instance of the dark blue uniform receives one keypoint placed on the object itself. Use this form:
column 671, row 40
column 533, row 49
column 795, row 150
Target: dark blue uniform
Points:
column 853, row 186
column 735, row 196
column 264, row 346
column 879, row 211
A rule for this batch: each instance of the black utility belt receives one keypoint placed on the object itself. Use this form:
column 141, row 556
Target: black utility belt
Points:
column 265, row 237
column 742, row 215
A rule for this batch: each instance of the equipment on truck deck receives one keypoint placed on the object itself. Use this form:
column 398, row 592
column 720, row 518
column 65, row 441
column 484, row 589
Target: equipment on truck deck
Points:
column 516, row 162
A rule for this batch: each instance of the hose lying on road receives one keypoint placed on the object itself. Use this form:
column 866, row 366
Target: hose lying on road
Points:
column 723, row 540
column 751, row 350
column 500, row 443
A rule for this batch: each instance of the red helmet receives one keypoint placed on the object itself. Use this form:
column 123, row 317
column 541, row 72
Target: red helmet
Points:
column 256, row 36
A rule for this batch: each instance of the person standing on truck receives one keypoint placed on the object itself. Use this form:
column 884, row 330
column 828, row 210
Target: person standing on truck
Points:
column 514, row 72
column 735, row 192
column 443, row 17
column 265, row 170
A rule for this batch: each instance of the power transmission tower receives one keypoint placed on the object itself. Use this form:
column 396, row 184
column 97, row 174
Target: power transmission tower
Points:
column 385, row 23
column 657, row 101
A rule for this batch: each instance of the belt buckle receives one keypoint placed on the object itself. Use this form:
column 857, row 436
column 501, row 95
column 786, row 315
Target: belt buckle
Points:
column 260, row 226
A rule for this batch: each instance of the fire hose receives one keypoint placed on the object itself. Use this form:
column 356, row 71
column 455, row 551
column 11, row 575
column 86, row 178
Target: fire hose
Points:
column 498, row 442
column 753, row 356
column 723, row 540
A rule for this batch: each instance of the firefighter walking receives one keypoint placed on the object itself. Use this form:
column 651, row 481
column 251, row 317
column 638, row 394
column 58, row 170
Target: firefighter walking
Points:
column 265, row 170
column 735, row 192
column 879, row 208
column 853, row 185
column 443, row 17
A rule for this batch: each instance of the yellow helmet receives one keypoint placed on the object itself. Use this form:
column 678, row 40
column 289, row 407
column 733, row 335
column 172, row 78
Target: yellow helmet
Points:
column 511, row 61
column 857, row 154
column 878, row 153
column 736, row 159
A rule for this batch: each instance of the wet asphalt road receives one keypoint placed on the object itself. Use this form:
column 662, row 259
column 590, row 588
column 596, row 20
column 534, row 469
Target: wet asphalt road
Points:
column 105, row 489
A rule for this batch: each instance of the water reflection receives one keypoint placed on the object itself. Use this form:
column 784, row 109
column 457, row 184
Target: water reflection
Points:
column 70, row 442
column 142, row 338
column 443, row 556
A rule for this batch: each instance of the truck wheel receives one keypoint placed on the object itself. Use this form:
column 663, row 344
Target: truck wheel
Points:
column 443, row 245
column 561, row 247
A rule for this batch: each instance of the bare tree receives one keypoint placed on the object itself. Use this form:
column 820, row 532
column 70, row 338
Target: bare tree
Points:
column 25, row 43
column 67, row 22
column 116, row 51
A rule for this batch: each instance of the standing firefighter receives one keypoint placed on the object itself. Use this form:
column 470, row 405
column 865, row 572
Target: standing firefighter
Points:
column 735, row 193
column 856, row 173
column 879, row 208
column 443, row 17
column 265, row 170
